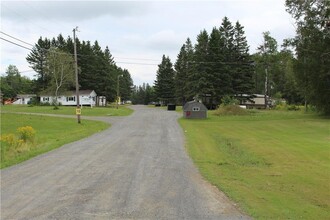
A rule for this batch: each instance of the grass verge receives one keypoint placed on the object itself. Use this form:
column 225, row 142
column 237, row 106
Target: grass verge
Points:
column 275, row 165
column 69, row 110
column 51, row 133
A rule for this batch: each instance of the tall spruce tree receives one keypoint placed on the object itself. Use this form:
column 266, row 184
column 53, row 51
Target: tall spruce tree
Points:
column 37, row 59
column 199, row 83
column 216, row 66
column 227, row 39
column 126, row 85
column 181, row 68
column 242, row 77
column 164, row 84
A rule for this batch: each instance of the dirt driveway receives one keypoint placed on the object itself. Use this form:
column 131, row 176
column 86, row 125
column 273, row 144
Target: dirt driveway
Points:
column 137, row 169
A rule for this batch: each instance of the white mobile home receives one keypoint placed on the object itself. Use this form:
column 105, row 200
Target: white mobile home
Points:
column 86, row 97
column 254, row 101
column 24, row 99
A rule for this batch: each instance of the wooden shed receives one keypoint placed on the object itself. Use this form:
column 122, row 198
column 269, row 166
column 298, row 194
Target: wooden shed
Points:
column 194, row 109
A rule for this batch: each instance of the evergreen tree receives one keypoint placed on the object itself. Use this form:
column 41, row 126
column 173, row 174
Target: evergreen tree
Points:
column 227, row 41
column 37, row 58
column 164, row 84
column 126, row 85
column 198, row 77
column 216, row 71
column 242, row 75
column 181, row 67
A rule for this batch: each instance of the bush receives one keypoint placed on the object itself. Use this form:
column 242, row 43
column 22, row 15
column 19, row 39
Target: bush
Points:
column 227, row 100
column 286, row 107
column 230, row 110
column 293, row 108
column 26, row 133
column 44, row 104
column 10, row 139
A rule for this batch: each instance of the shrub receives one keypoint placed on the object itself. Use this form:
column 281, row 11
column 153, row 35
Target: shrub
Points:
column 10, row 139
column 293, row 108
column 227, row 100
column 26, row 133
column 230, row 110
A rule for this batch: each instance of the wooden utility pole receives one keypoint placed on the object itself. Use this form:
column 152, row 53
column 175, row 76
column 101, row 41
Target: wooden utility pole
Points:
column 117, row 100
column 78, row 110
column 266, row 76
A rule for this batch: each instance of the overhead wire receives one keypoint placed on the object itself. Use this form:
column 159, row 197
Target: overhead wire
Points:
column 25, row 18
column 15, row 43
column 16, row 39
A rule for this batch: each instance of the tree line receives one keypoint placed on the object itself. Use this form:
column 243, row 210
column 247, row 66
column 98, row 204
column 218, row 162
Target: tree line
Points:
column 220, row 65
column 53, row 61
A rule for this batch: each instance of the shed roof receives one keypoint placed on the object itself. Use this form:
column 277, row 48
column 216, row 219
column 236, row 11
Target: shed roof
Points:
column 189, row 105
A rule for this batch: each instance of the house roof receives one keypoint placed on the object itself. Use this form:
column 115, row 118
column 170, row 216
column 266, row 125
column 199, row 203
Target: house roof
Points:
column 26, row 95
column 71, row 93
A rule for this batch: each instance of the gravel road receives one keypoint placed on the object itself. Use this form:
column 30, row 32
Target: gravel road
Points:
column 137, row 169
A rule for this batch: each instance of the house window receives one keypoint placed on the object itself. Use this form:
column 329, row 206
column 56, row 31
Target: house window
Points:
column 71, row 99
column 195, row 109
column 45, row 99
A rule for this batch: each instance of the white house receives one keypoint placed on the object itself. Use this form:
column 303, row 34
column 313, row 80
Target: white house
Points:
column 86, row 97
column 23, row 99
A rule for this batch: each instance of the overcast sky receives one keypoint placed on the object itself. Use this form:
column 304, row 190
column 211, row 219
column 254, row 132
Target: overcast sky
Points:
column 135, row 31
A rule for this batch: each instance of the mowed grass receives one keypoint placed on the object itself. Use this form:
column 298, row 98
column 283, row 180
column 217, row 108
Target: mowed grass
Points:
column 51, row 133
column 275, row 165
column 70, row 110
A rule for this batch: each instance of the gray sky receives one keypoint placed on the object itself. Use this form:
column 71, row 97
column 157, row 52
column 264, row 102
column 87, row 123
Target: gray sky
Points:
column 135, row 31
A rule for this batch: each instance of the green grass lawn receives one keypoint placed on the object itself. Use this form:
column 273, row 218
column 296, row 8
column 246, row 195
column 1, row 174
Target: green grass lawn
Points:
column 274, row 164
column 70, row 110
column 51, row 133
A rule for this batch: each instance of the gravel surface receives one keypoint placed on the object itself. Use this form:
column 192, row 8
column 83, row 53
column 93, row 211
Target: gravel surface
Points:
column 137, row 169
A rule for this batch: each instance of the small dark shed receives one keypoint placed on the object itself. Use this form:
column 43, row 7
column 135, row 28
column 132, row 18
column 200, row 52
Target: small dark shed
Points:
column 194, row 109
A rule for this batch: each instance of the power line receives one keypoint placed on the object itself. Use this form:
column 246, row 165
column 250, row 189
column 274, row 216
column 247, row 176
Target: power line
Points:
column 3, row 5
column 127, row 58
column 15, row 43
column 16, row 38
column 149, row 64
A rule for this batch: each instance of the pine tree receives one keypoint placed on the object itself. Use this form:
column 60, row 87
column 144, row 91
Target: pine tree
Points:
column 181, row 68
column 198, row 77
column 227, row 38
column 126, row 84
column 164, row 84
column 37, row 59
column 215, row 66
column 242, row 75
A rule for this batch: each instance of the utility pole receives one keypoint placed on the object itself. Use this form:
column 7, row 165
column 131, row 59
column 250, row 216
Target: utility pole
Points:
column 305, row 95
column 117, row 100
column 266, row 88
column 78, row 110
column 266, row 77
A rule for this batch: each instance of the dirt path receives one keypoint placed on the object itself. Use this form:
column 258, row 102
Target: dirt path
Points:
column 137, row 169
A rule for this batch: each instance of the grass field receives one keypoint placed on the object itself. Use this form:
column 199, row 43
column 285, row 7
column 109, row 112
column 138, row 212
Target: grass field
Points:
column 51, row 133
column 274, row 164
column 69, row 110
